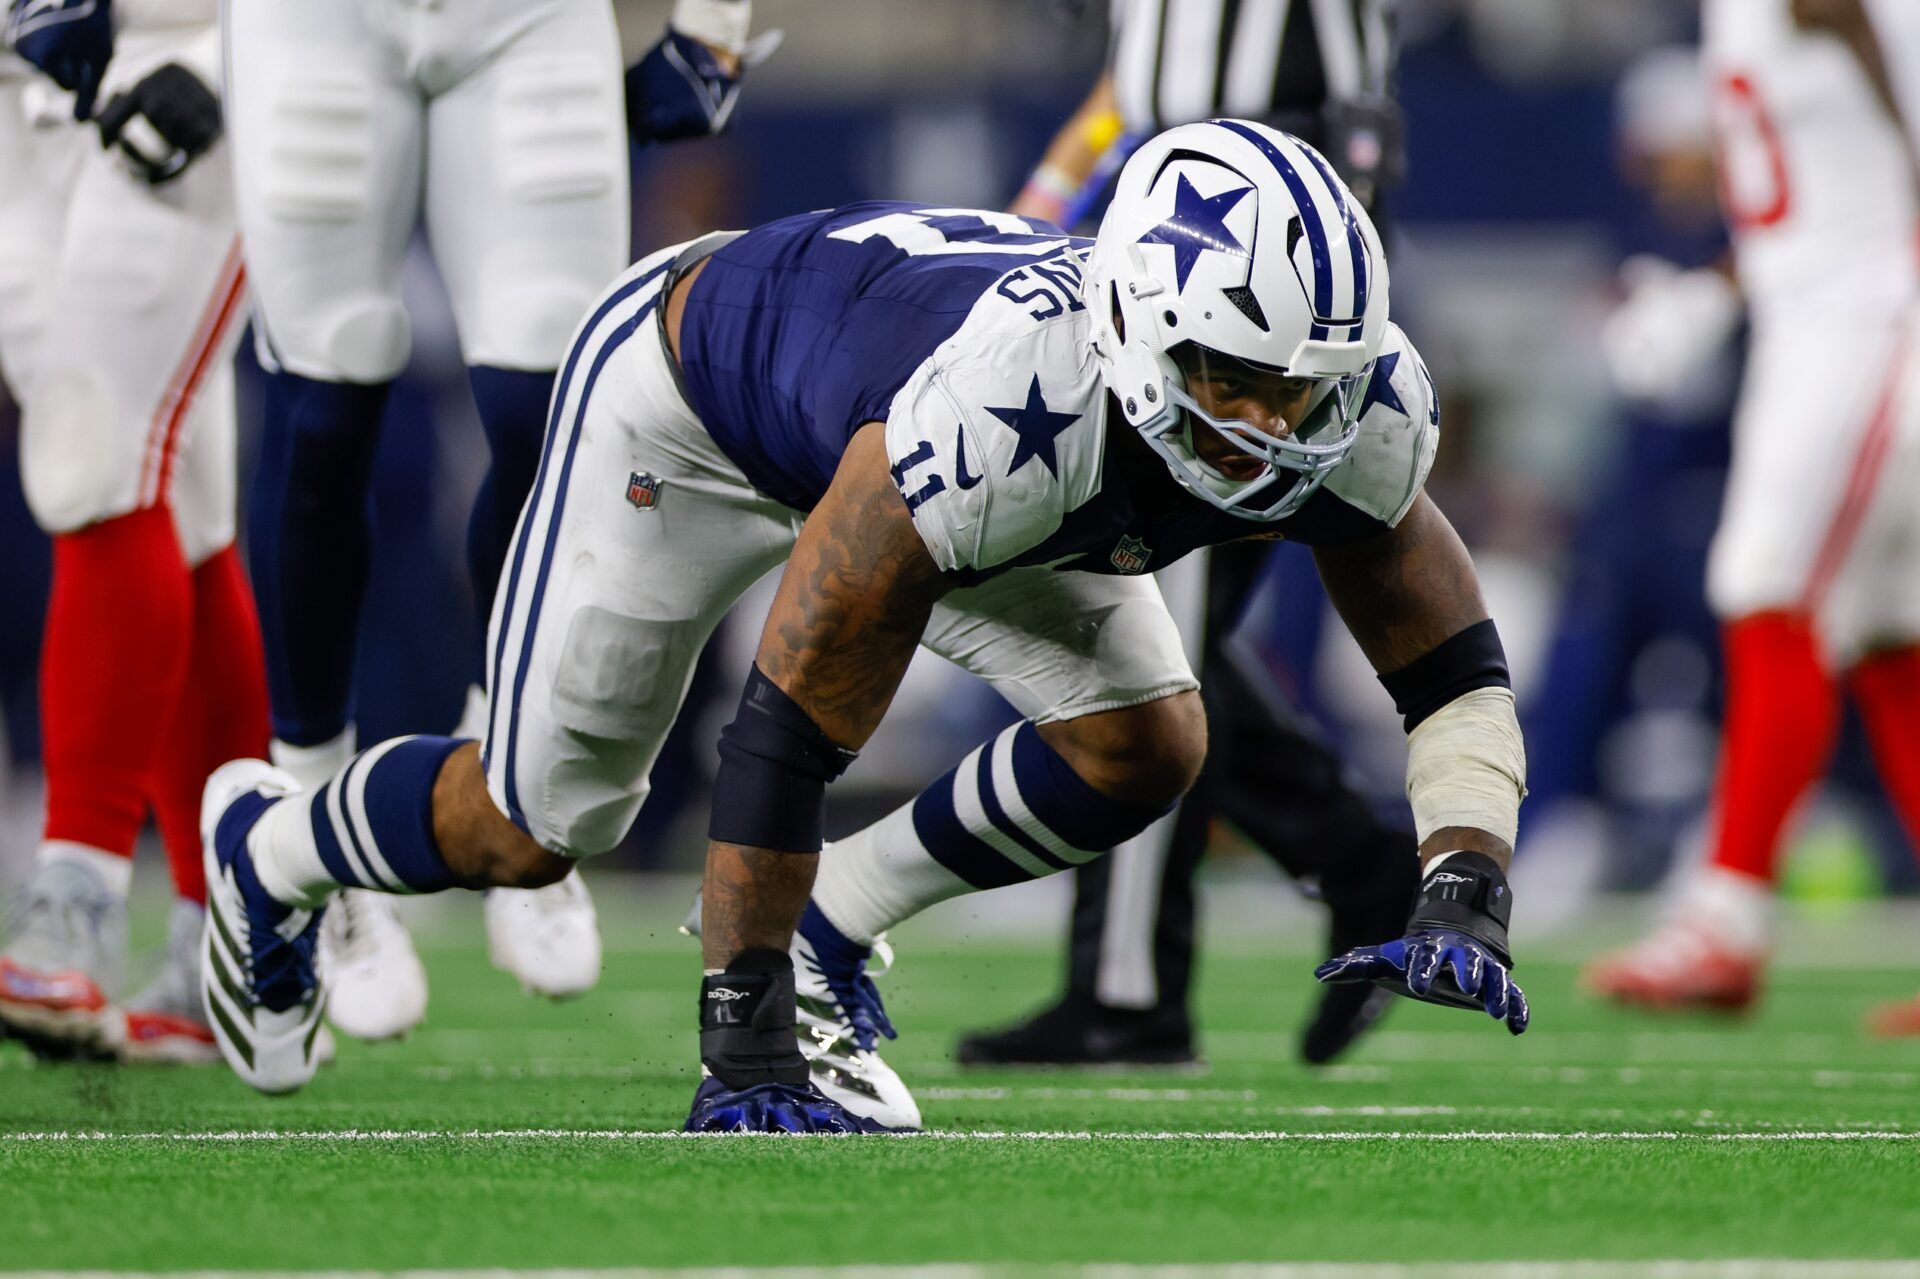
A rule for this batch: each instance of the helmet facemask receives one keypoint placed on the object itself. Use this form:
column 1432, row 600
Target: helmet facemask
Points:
column 1291, row 439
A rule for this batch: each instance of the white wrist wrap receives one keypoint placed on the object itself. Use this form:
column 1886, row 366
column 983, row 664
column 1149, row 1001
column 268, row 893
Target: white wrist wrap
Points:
column 720, row 23
column 1466, row 766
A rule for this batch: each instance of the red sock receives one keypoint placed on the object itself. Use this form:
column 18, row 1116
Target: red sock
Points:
column 1783, row 710
column 1886, row 687
column 221, row 713
column 111, row 666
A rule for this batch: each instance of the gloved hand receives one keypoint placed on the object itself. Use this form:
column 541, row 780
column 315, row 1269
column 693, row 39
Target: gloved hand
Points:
column 1671, row 322
column 70, row 41
column 162, row 124
column 682, row 88
column 1455, row 951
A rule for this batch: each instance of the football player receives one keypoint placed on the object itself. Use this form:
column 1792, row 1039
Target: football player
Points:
column 1812, row 572
column 120, row 303
column 506, row 120
column 963, row 430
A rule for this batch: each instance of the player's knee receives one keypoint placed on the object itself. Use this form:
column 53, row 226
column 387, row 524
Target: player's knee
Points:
column 520, row 321
column 362, row 339
column 1147, row 755
column 72, row 466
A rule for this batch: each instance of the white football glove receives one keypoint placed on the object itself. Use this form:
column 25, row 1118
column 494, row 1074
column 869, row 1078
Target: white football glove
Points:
column 1672, row 322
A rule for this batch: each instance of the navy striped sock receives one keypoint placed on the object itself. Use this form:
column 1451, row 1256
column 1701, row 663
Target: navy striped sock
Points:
column 1014, row 810
column 373, row 823
column 1011, row 811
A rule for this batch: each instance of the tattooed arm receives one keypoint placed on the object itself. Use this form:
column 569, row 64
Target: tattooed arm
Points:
column 845, row 622
column 1401, row 594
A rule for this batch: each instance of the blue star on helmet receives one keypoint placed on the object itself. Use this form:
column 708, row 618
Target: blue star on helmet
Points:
column 1036, row 428
column 1380, row 387
column 1198, row 225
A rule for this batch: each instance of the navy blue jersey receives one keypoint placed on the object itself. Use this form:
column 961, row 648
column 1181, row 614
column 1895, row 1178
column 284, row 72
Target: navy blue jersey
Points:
column 803, row 330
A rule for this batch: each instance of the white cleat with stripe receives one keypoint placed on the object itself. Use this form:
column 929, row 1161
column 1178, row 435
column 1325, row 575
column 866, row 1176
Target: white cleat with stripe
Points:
column 262, row 987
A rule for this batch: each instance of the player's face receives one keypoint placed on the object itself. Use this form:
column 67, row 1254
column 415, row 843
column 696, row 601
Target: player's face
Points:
column 1263, row 400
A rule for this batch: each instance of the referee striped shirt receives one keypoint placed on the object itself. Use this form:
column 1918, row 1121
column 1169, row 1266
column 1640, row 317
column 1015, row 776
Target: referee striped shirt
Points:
column 1177, row 61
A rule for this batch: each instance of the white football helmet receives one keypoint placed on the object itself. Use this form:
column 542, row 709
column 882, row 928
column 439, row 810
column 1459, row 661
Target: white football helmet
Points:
column 1231, row 243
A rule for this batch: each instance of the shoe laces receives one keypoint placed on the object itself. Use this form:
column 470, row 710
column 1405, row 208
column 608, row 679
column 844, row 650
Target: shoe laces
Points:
column 861, row 1014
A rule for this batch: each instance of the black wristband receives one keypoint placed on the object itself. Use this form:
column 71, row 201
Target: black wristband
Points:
column 775, row 763
column 1462, row 662
column 1468, row 893
column 747, row 1023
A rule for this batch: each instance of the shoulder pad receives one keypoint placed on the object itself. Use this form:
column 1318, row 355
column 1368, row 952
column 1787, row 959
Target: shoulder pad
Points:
column 999, row 433
column 1399, row 432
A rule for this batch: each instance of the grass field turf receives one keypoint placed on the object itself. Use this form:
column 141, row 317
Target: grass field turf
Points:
column 509, row 1133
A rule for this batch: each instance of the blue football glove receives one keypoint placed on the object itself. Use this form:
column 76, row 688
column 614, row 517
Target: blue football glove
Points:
column 680, row 90
column 162, row 124
column 1455, row 951
column 70, row 41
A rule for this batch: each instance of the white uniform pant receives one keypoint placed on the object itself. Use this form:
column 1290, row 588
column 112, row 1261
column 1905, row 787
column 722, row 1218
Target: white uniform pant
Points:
column 120, row 305
column 1822, row 513
column 505, row 114
column 641, row 534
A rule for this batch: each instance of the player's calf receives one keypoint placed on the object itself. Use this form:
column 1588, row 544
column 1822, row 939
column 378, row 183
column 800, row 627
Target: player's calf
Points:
column 1033, row 801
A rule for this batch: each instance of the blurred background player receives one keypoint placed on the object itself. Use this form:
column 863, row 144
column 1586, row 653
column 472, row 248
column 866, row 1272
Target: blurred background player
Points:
column 120, row 303
column 1322, row 72
column 507, row 120
column 1813, row 572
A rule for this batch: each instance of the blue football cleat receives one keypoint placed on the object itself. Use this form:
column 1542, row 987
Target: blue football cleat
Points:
column 257, row 970
column 773, row 1108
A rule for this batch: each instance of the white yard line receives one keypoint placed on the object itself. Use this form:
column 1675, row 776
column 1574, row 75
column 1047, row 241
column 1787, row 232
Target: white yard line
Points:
column 426, row 1135
column 1739, row 1269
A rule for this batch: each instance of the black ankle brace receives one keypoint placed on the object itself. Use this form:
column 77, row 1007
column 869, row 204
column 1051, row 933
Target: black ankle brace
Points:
column 747, row 1022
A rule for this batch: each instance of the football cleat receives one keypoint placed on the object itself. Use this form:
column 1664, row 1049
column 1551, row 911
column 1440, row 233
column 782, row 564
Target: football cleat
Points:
column 773, row 1108
column 167, row 1022
column 376, row 984
column 1681, row 965
column 840, row 1019
column 1077, row 1032
column 258, row 974
column 61, row 966
column 546, row 938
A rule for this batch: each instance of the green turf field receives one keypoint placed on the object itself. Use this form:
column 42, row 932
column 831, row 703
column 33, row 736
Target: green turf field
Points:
column 514, row 1134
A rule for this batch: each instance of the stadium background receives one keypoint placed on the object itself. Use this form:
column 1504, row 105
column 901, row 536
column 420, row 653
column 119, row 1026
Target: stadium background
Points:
column 1589, row 517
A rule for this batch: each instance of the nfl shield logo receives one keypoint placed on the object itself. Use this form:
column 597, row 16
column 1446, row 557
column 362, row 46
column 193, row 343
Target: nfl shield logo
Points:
column 1131, row 555
column 643, row 490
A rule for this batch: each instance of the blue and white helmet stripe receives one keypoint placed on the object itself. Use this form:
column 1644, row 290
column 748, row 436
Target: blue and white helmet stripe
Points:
column 1339, row 288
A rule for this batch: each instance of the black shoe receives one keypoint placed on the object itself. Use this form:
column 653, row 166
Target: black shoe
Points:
column 1346, row 1012
column 1079, row 1032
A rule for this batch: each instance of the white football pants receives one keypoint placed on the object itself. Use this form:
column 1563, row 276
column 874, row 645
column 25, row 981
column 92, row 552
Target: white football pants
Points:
column 506, row 114
column 1822, row 512
column 120, row 304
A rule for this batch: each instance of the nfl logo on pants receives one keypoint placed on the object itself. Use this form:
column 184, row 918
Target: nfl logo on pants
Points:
column 643, row 490
column 1131, row 555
